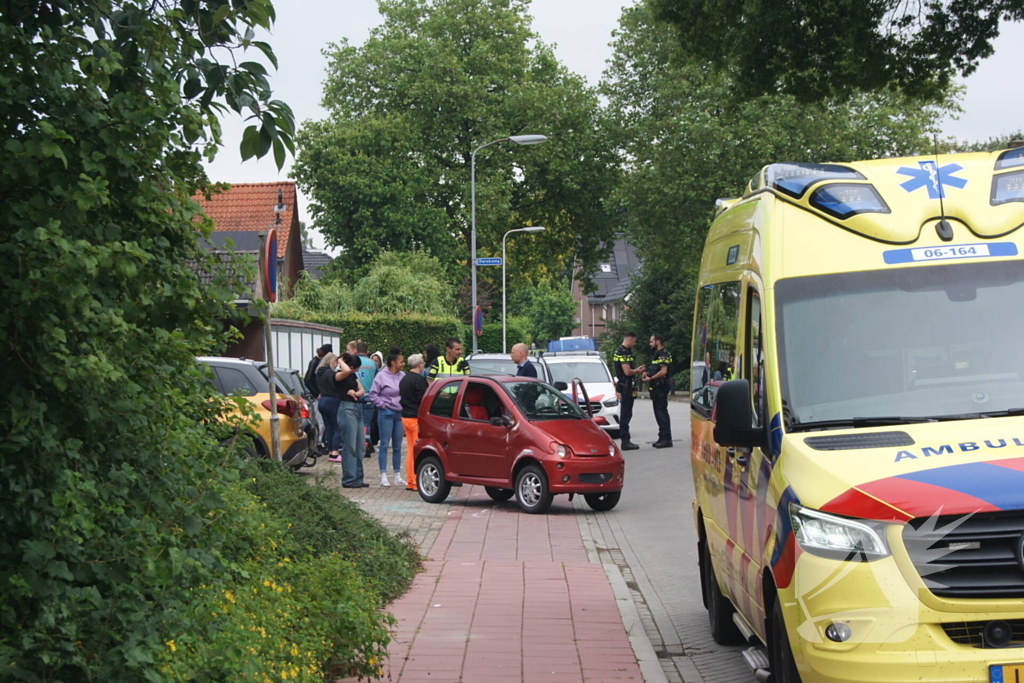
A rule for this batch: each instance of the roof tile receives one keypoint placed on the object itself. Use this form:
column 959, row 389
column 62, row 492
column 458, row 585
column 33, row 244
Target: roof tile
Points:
column 249, row 207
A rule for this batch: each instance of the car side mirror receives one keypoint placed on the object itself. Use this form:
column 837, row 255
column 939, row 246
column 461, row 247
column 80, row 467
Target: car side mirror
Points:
column 561, row 386
column 501, row 421
column 733, row 421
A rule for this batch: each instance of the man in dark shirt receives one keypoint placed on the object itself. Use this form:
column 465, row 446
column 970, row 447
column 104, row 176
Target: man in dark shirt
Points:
column 314, row 391
column 660, row 366
column 520, row 356
column 625, row 386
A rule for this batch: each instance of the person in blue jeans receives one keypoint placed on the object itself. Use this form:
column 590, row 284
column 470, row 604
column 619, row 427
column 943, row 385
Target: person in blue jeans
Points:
column 366, row 371
column 330, row 376
column 384, row 395
column 350, row 420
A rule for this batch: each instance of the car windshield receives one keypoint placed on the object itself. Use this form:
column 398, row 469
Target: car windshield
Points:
column 492, row 366
column 288, row 381
column 538, row 401
column 589, row 372
column 927, row 342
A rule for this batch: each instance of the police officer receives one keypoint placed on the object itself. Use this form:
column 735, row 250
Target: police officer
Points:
column 625, row 386
column 658, row 377
column 451, row 364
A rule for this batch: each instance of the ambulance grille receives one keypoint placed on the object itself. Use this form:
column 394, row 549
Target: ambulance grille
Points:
column 973, row 632
column 969, row 556
column 849, row 442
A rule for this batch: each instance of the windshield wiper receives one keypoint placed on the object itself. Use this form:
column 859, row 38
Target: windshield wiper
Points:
column 1009, row 412
column 858, row 422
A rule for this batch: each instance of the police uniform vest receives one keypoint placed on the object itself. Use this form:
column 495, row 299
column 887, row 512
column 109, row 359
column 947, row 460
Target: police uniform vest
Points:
column 623, row 383
column 442, row 368
column 662, row 358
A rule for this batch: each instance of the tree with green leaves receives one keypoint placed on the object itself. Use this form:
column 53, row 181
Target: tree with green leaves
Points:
column 389, row 169
column 548, row 308
column 689, row 140
column 822, row 49
column 111, row 479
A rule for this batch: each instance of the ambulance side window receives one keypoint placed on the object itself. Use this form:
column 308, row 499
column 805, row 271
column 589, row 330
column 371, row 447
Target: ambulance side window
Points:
column 754, row 358
column 698, row 368
column 715, row 349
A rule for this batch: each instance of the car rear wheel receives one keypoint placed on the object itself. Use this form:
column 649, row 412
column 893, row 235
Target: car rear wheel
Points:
column 532, row 492
column 720, row 610
column 602, row 502
column 430, row 480
column 499, row 494
column 783, row 664
column 614, row 433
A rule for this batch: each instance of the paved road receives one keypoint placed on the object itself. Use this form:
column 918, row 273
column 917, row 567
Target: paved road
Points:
column 652, row 533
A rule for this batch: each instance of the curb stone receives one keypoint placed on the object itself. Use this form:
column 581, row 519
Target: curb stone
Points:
column 650, row 665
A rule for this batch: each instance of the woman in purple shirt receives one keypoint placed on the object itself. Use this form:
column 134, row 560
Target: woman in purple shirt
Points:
column 384, row 395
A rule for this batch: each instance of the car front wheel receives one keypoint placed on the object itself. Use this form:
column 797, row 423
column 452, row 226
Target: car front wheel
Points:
column 783, row 665
column 430, row 481
column 532, row 491
column 602, row 502
column 720, row 610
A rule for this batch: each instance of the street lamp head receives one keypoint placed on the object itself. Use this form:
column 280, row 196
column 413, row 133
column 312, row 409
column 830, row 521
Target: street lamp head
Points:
column 528, row 139
column 534, row 228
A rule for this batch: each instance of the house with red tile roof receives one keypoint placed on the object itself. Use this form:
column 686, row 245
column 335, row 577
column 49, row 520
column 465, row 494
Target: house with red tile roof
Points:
column 245, row 210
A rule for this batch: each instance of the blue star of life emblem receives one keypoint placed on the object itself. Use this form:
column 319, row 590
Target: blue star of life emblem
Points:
column 933, row 177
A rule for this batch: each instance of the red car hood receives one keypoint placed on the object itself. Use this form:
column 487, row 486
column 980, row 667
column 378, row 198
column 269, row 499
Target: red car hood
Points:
column 582, row 436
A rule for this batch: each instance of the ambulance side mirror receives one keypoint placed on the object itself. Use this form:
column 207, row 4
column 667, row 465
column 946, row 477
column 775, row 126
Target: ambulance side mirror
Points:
column 733, row 422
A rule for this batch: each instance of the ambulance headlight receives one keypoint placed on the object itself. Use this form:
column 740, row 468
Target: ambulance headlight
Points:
column 838, row 538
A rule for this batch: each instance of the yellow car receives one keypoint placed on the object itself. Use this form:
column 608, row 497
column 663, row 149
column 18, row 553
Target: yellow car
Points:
column 860, row 484
column 241, row 377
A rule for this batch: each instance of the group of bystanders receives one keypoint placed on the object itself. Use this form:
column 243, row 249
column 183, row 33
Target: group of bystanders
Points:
column 364, row 400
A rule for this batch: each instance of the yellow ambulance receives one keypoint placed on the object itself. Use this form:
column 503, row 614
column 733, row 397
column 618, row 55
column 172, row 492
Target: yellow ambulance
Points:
column 857, row 420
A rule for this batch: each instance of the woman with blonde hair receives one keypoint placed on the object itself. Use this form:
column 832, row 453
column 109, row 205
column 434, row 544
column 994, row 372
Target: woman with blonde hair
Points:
column 329, row 375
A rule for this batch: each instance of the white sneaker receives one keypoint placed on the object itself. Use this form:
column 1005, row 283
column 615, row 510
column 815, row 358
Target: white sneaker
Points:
column 399, row 481
column 384, row 480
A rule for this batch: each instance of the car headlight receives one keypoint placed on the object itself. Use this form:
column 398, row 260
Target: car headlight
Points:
column 560, row 450
column 611, row 402
column 837, row 538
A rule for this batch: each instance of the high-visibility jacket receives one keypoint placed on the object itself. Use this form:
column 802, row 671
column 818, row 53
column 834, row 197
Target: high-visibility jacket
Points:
column 442, row 368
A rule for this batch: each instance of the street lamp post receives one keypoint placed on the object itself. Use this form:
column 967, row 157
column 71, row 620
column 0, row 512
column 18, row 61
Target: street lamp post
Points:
column 504, row 265
column 519, row 140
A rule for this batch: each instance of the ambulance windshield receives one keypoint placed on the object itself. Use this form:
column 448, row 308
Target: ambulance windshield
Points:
column 931, row 341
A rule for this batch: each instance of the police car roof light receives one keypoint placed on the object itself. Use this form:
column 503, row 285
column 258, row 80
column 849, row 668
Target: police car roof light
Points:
column 794, row 179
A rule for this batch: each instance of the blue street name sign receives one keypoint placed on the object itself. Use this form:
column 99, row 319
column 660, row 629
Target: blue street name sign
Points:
column 488, row 261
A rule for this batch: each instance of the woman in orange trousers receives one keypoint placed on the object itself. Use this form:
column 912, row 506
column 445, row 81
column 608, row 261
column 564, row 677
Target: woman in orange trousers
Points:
column 410, row 392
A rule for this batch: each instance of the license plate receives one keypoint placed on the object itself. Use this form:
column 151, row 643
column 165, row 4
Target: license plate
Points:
column 953, row 251
column 1006, row 673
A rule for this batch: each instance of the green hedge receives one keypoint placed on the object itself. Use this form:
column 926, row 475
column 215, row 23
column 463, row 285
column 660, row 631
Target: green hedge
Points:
column 490, row 340
column 408, row 332
column 304, row 600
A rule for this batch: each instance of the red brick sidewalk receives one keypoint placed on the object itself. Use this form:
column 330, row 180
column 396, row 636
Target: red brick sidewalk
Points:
column 507, row 597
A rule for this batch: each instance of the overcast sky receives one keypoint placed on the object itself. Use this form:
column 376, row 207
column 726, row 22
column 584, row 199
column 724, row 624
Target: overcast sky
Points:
column 581, row 31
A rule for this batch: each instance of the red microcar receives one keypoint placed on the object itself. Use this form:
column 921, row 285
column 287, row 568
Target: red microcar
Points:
column 516, row 437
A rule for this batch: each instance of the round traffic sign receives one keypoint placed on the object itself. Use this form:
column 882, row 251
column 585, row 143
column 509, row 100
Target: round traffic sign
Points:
column 478, row 321
column 270, row 266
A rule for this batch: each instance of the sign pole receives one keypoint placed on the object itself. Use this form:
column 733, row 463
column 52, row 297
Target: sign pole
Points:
column 266, row 278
